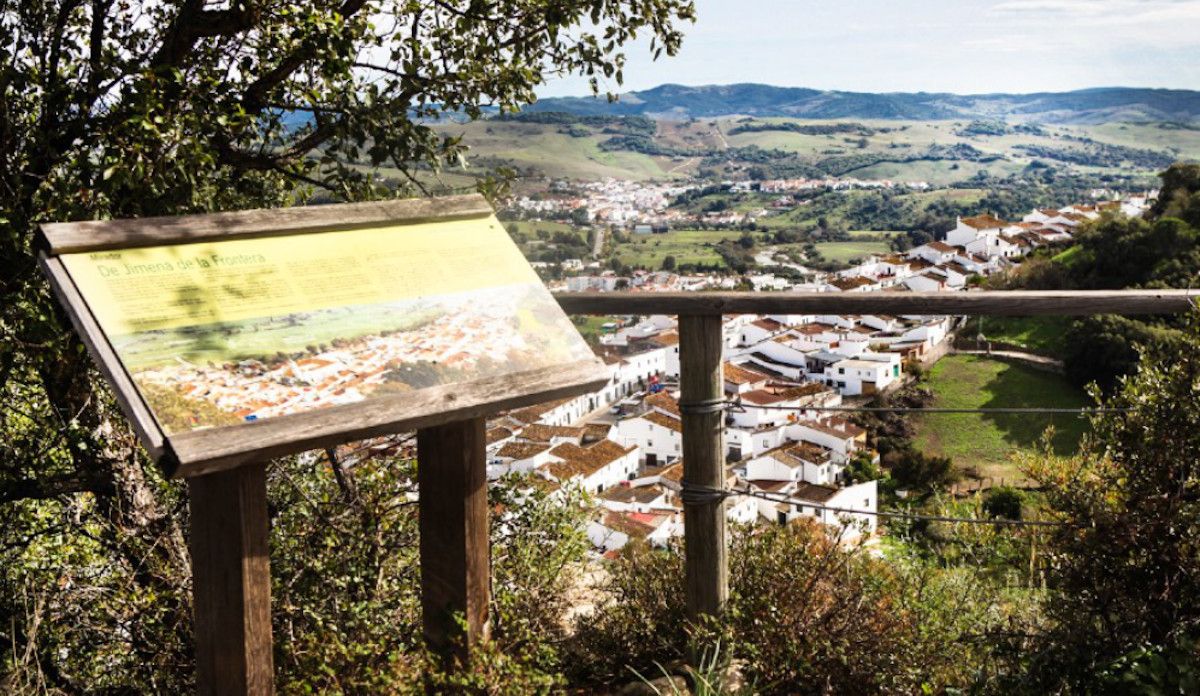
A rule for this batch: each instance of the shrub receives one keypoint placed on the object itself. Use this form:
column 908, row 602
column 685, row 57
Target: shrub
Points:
column 1003, row 501
column 644, row 623
column 805, row 615
column 919, row 471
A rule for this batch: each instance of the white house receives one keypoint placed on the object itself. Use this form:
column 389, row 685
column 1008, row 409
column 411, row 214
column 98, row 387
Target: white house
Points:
column 969, row 229
column 627, row 497
column 836, row 434
column 613, row 530
column 795, row 461
column 595, row 468
column 852, row 519
column 669, row 342
column 925, row 282
column 518, row 457
column 934, row 252
column 863, row 376
column 657, row 435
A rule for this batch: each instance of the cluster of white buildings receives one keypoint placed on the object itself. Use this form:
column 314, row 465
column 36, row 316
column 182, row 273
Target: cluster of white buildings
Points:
column 608, row 201
column 840, row 184
column 643, row 281
column 468, row 331
column 781, row 373
column 623, row 443
column 632, row 468
column 636, row 204
column 977, row 246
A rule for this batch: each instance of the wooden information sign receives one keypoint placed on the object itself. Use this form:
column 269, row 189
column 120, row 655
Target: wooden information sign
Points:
column 237, row 337
column 233, row 338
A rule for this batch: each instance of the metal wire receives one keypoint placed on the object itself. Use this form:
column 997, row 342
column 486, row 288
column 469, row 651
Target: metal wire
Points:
column 737, row 403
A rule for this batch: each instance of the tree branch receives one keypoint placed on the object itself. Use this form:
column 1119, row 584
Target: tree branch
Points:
column 194, row 23
column 43, row 489
column 255, row 96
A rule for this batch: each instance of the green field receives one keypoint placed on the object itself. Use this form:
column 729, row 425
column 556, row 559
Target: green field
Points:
column 1042, row 335
column 988, row 441
column 263, row 338
column 687, row 246
column 540, row 149
column 591, row 328
column 845, row 252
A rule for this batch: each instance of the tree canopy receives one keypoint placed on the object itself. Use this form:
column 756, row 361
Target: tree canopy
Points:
column 112, row 109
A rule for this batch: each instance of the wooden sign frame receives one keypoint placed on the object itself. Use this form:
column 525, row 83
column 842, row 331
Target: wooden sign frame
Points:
column 225, row 465
column 198, row 452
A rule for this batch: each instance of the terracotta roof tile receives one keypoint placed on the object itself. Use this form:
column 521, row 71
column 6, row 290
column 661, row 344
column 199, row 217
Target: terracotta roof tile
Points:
column 585, row 461
column 984, row 222
column 662, row 419
column 522, row 450
column 737, row 374
column 540, row 432
column 663, row 401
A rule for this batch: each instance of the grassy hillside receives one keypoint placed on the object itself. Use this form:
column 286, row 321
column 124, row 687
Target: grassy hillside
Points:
column 1041, row 335
column 988, row 441
column 939, row 152
column 1081, row 106
column 845, row 252
column 687, row 246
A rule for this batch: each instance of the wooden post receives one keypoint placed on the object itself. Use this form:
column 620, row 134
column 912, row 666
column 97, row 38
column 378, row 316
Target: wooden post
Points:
column 231, row 582
column 701, row 393
column 453, row 521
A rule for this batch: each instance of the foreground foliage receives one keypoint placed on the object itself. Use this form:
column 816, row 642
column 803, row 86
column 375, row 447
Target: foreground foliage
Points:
column 805, row 616
column 1124, row 574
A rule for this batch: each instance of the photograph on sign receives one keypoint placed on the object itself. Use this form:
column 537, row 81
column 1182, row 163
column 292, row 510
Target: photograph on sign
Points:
column 218, row 333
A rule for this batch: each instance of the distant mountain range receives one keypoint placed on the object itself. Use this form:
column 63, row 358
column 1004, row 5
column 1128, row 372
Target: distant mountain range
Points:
column 1100, row 105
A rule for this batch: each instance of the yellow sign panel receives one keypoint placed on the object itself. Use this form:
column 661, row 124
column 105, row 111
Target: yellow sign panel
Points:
column 217, row 333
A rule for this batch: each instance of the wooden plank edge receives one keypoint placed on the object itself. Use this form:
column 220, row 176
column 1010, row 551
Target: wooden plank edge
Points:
column 981, row 303
column 105, row 357
column 104, row 235
column 206, row 451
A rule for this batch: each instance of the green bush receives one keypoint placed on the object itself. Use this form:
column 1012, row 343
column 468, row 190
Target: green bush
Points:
column 1004, row 501
column 805, row 615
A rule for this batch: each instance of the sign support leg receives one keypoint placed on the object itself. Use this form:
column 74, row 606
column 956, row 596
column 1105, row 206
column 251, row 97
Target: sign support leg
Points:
column 453, row 521
column 231, row 579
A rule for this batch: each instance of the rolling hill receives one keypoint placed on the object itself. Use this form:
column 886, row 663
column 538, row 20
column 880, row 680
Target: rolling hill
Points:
column 1088, row 106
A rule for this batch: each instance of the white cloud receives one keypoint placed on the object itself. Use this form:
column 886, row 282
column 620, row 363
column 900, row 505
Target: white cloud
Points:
column 932, row 45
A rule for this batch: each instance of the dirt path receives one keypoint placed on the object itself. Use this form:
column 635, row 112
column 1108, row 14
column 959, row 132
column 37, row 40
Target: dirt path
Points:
column 598, row 244
column 721, row 136
column 1036, row 361
column 681, row 165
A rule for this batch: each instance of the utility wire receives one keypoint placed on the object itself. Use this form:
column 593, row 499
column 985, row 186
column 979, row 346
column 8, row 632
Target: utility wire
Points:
column 739, row 404
column 695, row 494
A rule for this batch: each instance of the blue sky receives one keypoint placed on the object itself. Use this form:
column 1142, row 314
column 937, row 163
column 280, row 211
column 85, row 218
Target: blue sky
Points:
column 963, row 46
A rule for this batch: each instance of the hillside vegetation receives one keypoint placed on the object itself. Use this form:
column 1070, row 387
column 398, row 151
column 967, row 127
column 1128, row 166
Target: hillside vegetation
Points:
column 940, row 152
column 1082, row 106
